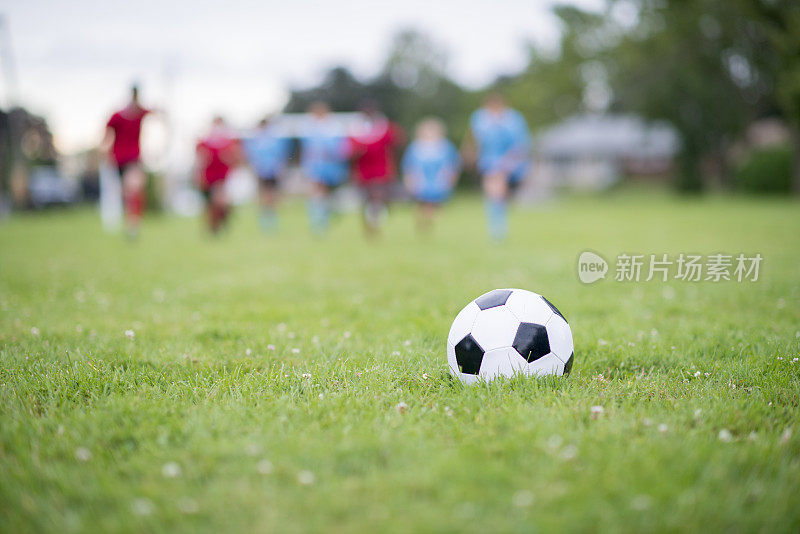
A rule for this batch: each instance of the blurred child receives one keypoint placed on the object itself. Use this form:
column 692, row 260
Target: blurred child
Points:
column 217, row 153
column 503, row 143
column 267, row 154
column 373, row 150
column 122, row 141
column 323, row 158
column 430, row 170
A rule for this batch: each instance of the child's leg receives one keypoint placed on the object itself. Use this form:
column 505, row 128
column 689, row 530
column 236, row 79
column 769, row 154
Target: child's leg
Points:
column 318, row 209
column 268, row 196
column 495, row 187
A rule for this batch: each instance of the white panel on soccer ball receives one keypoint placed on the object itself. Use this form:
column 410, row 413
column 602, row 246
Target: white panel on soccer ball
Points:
column 546, row 365
column 529, row 307
column 463, row 322
column 560, row 336
column 495, row 328
column 502, row 362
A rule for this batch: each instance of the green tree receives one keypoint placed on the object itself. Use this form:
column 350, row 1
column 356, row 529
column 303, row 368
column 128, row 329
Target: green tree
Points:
column 704, row 66
column 781, row 23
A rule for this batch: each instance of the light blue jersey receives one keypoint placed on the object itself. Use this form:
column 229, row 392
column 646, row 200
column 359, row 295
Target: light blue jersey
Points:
column 503, row 142
column 324, row 153
column 430, row 166
column 267, row 153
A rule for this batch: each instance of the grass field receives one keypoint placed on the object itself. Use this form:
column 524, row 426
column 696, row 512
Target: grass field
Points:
column 259, row 389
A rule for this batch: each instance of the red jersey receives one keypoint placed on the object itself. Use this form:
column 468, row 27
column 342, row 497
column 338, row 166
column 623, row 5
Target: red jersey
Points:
column 216, row 154
column 127, row 126
column 374, row 152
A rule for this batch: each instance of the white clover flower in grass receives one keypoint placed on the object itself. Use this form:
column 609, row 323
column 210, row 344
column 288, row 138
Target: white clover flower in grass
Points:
column 596, row 411
column 171, row 470
column 306, row 478
column 248, row 352
column 407, row 342
column 142, row 507
column 295, row 351
column 725, row 435
column 640, row 502
column 264, row 467
column 34, row 331
column 130, row 334
column 306, row 375
column 424, row 376
column 569, row 452
column 83, row 454
column 697, row 413
column 401, row 407
column 396, row 353
column 448, row 411
column 697, row 374
column 188, row 506
column 321, row 396
column 554, row 441
column 663, row 428
column 786, row 436
column 347, row 334
column 522, row 499
column 270, row 347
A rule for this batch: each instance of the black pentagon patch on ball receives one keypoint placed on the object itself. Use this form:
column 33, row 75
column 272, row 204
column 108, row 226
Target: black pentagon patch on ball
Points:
column 568, row 365
column 531, row 341
column 469, row 355
column 498, row 297
column 555, row 310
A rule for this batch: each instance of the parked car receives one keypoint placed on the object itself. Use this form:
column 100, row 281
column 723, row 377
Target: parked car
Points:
column 46, row 187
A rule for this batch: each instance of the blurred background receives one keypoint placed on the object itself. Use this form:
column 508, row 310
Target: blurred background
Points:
column 697, row 96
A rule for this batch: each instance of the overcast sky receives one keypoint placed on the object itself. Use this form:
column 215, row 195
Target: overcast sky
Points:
column 75, row 59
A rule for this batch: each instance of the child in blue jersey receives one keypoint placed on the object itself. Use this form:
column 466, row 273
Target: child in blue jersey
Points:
column 324, row 151
column 267, row 154
column 503, row 157
column 430, row 170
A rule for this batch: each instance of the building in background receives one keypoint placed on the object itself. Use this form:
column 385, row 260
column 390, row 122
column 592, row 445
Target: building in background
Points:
column 593, row 151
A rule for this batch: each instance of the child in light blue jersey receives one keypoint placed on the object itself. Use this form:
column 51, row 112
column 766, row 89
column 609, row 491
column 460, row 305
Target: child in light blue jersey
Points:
column 503, row 157
column 324, row 152
column 430, row 170
column 267, row 154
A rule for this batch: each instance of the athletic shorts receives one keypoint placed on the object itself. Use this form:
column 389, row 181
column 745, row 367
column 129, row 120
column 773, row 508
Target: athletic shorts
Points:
column 208, row 191
column 122, row 168
column 432, row 197
column 375, row 190
column 269, row 182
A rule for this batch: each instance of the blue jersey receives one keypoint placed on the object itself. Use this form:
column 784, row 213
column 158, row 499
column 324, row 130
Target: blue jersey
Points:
column 503, row 142
column 430, row 167
column 324, row 153
column 267, row 153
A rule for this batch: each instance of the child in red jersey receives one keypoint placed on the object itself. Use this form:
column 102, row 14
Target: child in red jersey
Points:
column 374, row 153
column 122, row 142
column 217, row 153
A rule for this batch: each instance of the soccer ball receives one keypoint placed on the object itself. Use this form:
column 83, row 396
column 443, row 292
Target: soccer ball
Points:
column 507, row 332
